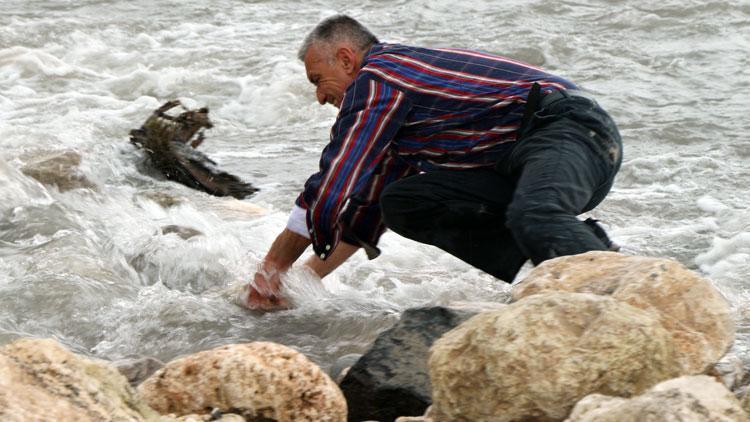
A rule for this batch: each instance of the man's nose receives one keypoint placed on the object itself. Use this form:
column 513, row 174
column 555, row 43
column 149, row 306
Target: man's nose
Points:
column 321, row 97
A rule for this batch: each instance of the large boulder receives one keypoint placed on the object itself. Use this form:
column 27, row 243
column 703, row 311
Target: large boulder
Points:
column 260, row 381
column 40, row 380
column 685, row 399
column 687, row 305
column 534, row 359
column 391, row 379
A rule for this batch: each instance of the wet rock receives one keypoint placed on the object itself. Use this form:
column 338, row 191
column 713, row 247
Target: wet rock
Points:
column 685, row 399
column 184, row 232
column 687, row 305
column 260, row 381
column 42, row 381
column 58, row 169
column 535, row 358
column 391, row 379
column 136, row 370
column 170, row 142
column 164, row 199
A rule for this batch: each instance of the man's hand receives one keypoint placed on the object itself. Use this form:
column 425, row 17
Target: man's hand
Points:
column 264, row 293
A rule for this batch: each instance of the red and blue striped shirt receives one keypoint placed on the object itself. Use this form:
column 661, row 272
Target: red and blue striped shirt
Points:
column 412, row 110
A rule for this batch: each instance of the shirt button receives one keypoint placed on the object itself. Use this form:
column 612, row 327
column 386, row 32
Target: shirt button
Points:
column 328, row 247
column 322, row 256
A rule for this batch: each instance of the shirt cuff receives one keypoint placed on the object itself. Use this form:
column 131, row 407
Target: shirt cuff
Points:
column 297, row 221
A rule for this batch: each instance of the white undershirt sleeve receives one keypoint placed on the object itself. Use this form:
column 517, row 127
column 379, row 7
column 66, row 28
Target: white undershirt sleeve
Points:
column 298, row 221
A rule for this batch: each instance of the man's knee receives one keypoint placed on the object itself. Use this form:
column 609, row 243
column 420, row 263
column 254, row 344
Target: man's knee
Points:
column 522, row 216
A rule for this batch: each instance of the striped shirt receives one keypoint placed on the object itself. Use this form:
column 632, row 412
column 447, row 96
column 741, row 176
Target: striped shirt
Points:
column 412, row 110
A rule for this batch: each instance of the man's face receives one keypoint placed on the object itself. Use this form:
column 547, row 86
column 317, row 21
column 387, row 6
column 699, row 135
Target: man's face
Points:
column 331, row 75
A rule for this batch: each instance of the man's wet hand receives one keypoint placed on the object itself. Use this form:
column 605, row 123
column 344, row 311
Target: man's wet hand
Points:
column 264, row 293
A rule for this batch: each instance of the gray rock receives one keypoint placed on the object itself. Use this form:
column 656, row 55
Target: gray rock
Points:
column 391, row 379
column 136, row 370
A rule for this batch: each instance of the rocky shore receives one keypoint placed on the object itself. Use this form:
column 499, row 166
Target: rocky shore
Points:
column 594, row 337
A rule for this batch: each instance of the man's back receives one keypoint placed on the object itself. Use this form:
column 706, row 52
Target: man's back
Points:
column 463, row 105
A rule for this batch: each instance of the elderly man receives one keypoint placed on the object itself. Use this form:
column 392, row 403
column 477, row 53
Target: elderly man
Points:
column 485, row 157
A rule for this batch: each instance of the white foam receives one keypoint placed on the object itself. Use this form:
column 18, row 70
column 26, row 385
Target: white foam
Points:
column 16, row 189
column 730, row 254
column 710, row 204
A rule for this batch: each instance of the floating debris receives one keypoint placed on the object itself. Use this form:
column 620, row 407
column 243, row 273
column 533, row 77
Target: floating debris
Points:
column 171, row 142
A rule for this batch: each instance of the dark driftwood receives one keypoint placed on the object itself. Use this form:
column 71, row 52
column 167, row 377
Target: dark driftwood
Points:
column 170, row 143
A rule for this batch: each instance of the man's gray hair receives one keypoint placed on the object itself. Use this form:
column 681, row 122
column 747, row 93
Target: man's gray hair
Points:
column 335, row 29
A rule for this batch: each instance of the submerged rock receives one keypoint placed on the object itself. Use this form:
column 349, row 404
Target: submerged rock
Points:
column 534, row 359
column 183, row 232
column 165, row 200
column 261, row 381
column 40, row 380
column 685, row 399
column 170, row 142
column 391, row 379
column 686, row 304
column 58, row 169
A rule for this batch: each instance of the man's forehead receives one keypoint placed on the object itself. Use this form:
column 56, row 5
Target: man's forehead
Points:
column 313, row 55
column 312, row 58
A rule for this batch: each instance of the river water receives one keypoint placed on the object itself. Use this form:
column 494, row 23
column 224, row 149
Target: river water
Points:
column 91, row 268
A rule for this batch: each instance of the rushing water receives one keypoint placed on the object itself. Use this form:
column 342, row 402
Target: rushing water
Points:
column 91, row 268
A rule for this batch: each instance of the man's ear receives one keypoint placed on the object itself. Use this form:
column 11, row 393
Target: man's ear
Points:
column 348, row 59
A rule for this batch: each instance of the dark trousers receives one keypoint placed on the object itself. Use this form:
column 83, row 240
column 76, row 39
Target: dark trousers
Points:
column 563, row 164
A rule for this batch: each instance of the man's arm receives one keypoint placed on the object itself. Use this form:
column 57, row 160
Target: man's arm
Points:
column 322, row 268
column 288, row 247
column 370, row 116
column 285, row 250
